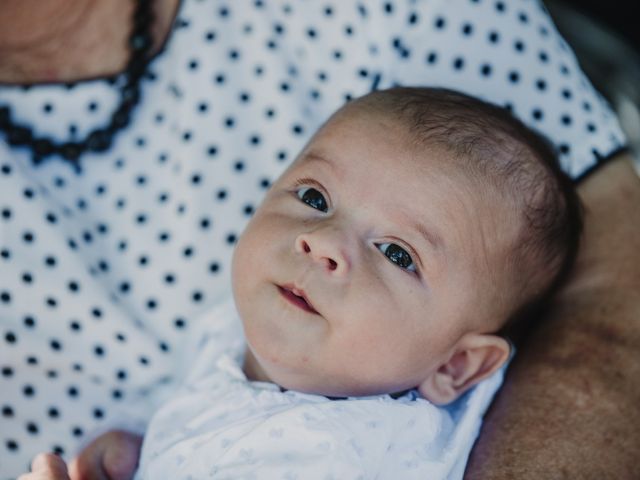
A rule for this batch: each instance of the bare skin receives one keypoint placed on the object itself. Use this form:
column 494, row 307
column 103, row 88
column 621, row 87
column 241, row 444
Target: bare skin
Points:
column 569, row 407
column 67, row 40
column 112, row 456
column 46, row 466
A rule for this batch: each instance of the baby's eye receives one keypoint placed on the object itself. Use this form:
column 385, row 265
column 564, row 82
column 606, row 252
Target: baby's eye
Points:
column 397, row 255
column 313, row 198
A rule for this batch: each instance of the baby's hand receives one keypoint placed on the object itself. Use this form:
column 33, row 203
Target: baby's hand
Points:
column 46, row 466
column 112, row 456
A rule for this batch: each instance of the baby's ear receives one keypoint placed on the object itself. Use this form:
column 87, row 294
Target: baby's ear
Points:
column 475, row 357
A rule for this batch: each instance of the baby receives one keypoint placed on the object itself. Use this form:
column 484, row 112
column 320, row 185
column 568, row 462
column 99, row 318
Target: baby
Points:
column 370, row 285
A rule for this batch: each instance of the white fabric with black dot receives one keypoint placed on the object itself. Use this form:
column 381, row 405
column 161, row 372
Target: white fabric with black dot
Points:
column 102, row 272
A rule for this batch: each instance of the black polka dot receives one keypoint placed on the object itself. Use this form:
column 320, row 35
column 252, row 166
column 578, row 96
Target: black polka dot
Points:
column 32, row 428
column 75, row 326
column 51, row 302
column 152, row 304
column 197, row 296
column 566, row 120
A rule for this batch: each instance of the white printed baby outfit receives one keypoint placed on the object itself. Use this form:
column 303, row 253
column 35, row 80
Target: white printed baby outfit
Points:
column 220, row 425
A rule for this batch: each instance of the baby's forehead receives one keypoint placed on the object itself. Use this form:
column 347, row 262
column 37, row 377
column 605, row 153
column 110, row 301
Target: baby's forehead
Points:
column 387, row 154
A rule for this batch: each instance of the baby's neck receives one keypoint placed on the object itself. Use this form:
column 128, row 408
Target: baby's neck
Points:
column 252, row 368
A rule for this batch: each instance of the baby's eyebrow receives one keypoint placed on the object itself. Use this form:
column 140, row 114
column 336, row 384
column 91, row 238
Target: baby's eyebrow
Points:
column 314, row 156
column 407, row 219
column 430, row 236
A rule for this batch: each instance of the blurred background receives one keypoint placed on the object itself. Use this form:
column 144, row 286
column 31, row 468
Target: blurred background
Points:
column 605, row 36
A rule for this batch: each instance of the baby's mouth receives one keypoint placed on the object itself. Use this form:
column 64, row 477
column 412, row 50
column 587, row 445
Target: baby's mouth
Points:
column 297, row 297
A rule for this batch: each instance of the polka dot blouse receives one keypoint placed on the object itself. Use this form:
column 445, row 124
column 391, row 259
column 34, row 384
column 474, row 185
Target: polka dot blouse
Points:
column 104, row 271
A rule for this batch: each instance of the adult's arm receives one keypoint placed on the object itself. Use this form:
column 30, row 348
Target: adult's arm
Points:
column 570, row 407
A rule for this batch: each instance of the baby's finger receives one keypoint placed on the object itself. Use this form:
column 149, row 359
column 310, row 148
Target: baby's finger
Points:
column 47, row 466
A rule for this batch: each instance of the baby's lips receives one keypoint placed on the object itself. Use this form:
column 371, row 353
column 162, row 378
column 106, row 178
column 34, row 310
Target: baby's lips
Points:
column 298, row 297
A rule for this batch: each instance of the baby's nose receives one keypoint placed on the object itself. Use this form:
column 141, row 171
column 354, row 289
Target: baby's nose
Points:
column 323, row 248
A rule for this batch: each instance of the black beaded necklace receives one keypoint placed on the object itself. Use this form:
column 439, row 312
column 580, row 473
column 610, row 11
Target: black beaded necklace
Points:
column 99, row 139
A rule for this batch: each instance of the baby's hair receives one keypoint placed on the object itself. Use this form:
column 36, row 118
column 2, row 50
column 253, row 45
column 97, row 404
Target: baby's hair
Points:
column 496, row 149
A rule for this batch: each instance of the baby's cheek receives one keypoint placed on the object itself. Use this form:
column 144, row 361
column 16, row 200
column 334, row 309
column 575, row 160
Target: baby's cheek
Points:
column 242, row 265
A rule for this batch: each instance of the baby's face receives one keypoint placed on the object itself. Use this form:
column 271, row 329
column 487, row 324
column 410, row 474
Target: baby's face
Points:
column 365, row 264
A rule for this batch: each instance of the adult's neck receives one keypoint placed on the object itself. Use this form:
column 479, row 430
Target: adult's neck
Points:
column 70, row 40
